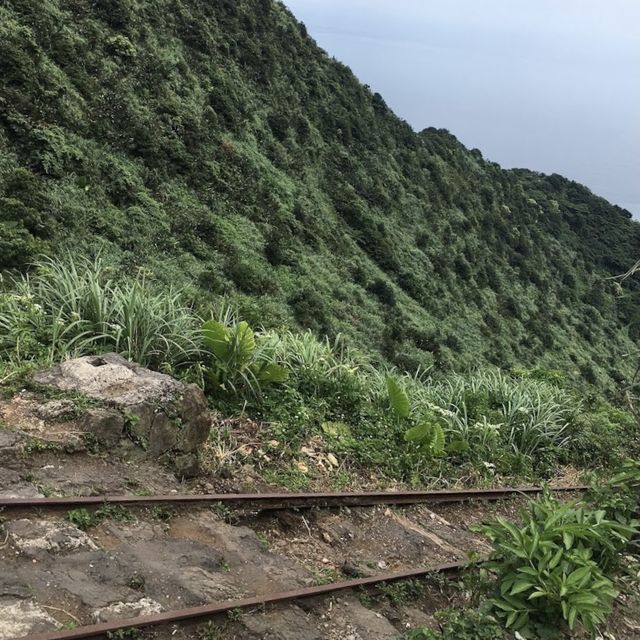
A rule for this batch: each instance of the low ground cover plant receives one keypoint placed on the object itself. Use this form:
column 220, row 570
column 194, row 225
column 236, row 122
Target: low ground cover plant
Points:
column 461, row 624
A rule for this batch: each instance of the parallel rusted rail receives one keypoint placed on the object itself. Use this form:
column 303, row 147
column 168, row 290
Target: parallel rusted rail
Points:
column 274, row 501
column 201, row 613
column 268, row 501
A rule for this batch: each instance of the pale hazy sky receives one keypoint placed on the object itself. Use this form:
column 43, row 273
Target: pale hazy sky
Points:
column 551, row 85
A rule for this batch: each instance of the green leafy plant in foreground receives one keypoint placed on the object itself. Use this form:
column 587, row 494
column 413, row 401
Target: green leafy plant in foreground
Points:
column 555, row 569
column 238, row 361
column 425, row 431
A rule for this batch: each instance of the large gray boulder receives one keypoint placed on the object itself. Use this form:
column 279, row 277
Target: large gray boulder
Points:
column 168, row 418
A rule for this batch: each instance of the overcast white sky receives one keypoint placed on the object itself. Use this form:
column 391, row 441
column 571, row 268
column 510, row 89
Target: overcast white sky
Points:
column 552, row 85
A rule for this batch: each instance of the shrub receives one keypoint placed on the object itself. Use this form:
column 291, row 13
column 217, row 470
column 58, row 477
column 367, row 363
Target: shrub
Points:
column 383, row 291
column 250, row 276
column 619, row 495
column 603, row 436
column 121, row 46
column 238, row 361
column 310, row 309
column 555, row 568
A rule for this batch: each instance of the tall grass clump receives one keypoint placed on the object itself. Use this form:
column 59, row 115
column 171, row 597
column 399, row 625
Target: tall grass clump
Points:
column 490, row 414
column 306, row 351
column 71, row 307
column 528, row 415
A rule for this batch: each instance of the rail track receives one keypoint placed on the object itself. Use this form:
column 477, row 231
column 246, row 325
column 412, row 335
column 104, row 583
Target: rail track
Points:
column 276, row 501
column 268, row 501
column 210, row 610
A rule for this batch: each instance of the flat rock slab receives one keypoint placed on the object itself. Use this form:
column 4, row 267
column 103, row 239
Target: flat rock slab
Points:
column 10, row 587
column 96, row 579
column 11, row 447
column 36, row 537
column 255, row 568
column 290, row 623
column 22, row 617
column 353, row 620
column 110, row 378
column 9, row 439
column 84, row 475
column 11, row 486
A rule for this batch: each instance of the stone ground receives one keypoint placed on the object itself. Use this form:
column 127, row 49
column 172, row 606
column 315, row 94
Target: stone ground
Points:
column 142, row 561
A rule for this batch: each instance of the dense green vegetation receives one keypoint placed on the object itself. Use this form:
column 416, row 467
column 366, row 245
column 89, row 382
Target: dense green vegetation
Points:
column 202, row 189
column 216, row 144
column 556, row 567
column 554, row 573
column 310, row 392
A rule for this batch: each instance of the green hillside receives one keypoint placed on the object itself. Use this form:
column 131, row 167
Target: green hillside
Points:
column 215, row 143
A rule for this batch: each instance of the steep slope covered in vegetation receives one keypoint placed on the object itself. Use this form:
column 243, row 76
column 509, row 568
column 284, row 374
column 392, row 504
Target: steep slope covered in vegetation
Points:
column 215, row 142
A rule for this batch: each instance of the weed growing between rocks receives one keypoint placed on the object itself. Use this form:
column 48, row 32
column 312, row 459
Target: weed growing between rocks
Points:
column 212, row 631
column 225, row 513
column 85, row 519
column 461, row 624
column 403, row 591
column 125, row 634
column 163, row 514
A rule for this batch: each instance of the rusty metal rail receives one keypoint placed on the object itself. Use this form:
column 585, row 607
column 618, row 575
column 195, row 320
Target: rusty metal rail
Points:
column 195, row 614
column 266, row 501
column 273, row 501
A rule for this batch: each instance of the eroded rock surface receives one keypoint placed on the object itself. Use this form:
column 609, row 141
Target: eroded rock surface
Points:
column 151, row 562
column 56, row 410
column 22, row 617
column 111, row 378
column 168, row 418
column 290, row 623
column 33, row 537
column 11, row 486
column 123, row 610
